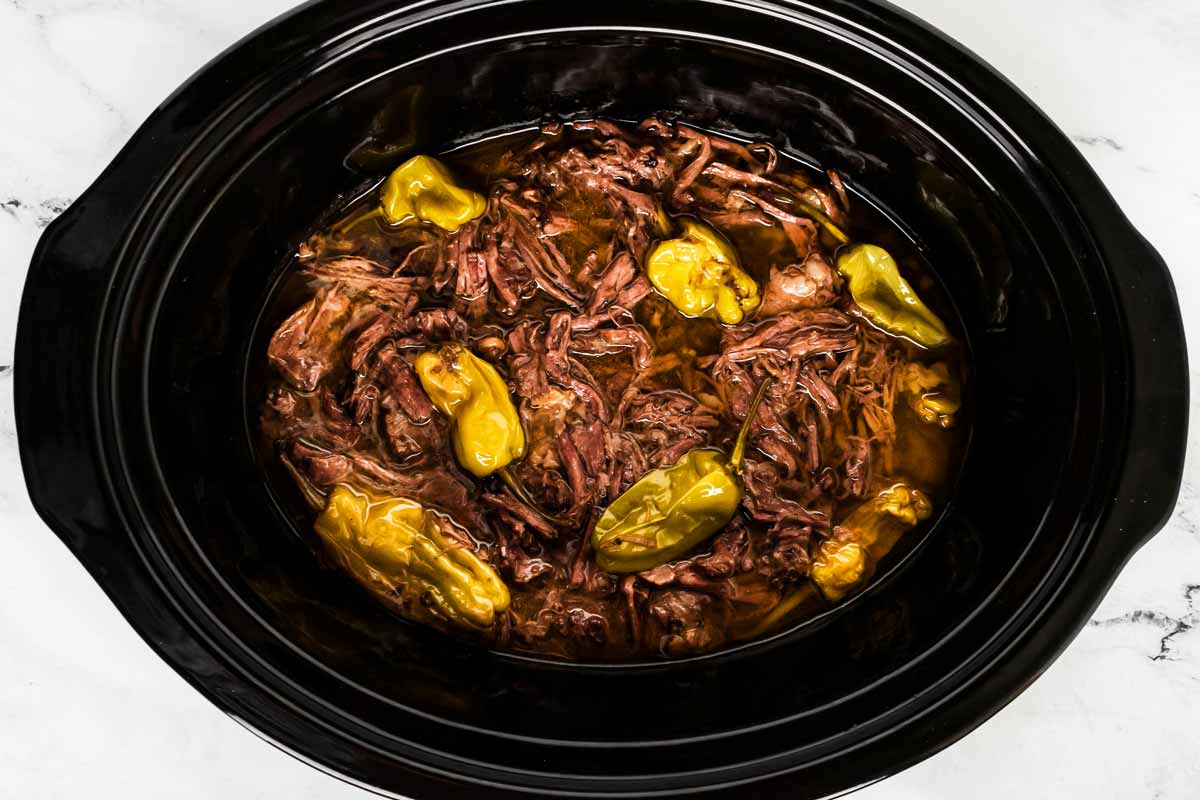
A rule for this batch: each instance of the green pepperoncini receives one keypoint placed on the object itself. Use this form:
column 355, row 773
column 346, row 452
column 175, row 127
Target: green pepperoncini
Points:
column 886, row 298
column 400, row 551
column 673, row 509
column 699, row 274
column 487, row 430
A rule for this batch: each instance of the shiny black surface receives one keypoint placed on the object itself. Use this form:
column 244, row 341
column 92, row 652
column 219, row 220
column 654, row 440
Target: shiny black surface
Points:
column 136, row 337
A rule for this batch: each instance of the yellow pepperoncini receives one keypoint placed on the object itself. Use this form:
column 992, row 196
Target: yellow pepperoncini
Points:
column 422, row 188
column 886, row 298
column 699, row 273
column 487, row 430
column 932, row 392
column 673, row 509
column 847, row 559
column 400, row 551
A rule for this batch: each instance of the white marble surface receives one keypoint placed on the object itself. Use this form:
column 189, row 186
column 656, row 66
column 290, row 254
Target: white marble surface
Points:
column 86, row 709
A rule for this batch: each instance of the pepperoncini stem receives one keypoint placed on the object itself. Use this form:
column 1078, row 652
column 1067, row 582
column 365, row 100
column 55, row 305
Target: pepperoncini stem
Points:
column 662, row 221
column 699, row 274
column 423, row 188
column 822, row 219
column 403, row 554
column 811, row 211
column 344, row 227
column 886, row 298
column 738, row 456
column 797, row 597
column 311, row 494
column 487, row 431
column 516, row 487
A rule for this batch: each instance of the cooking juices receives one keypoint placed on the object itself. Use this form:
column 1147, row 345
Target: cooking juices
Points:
column 612, row 391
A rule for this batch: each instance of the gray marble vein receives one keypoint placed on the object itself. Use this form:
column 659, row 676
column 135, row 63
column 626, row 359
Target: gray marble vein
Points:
column 1173, row 626
column 1099, row 141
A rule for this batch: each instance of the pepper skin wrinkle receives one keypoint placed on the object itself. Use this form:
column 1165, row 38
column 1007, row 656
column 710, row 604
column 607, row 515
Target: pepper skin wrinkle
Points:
column 487, row 430
column 700, row 274
column 422, row 188
column 402, row 553
column 846, row 560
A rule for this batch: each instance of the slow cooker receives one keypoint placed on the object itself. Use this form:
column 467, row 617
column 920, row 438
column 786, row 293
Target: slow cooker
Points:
column 137, row 350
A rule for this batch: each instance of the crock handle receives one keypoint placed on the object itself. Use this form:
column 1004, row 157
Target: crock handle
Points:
column 1149, row 483
column 54, row 386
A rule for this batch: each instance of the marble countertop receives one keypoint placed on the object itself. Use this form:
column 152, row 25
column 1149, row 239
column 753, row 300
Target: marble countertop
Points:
column 86, row 709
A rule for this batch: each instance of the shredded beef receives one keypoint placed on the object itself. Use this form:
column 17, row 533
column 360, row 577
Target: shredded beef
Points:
column 812, row 283
column 305, row 348
column 609, row 380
